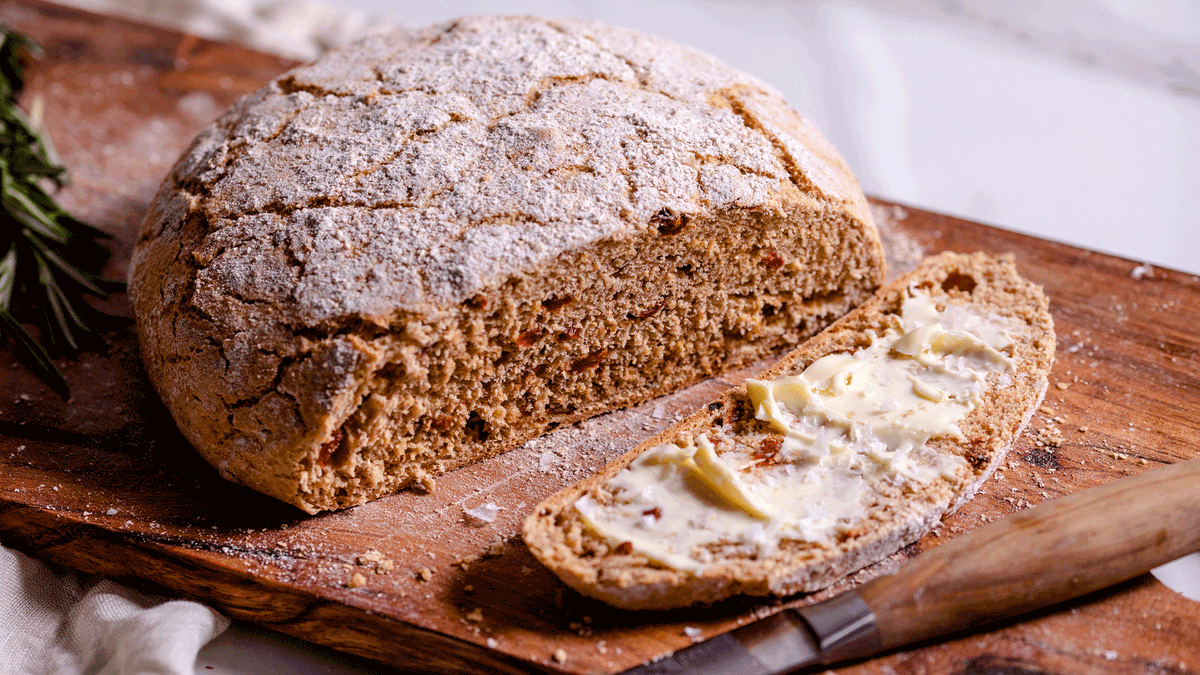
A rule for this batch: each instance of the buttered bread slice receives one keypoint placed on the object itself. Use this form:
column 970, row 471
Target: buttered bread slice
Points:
column 854, row 445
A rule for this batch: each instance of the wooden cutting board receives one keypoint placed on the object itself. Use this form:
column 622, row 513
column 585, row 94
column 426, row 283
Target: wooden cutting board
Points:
column 106, row 484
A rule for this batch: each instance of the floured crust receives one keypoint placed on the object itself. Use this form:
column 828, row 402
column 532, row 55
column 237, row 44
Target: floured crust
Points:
column 340, row 284
column 559, row 538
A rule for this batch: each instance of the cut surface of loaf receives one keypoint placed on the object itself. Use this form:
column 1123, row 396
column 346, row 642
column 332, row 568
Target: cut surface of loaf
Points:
column 430, row 246
column 847, row 494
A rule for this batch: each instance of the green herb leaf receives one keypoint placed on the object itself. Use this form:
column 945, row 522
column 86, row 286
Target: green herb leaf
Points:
column 32, row 355
column 49, row 261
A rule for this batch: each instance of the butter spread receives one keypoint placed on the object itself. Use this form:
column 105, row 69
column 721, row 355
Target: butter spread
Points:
column 847, row 421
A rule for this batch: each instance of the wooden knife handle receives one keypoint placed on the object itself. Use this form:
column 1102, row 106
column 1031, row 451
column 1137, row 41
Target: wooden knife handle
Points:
column 1055, row 551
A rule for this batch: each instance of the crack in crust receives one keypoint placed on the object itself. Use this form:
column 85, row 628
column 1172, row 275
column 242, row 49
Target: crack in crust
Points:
column 732, row 98
column 387, row 223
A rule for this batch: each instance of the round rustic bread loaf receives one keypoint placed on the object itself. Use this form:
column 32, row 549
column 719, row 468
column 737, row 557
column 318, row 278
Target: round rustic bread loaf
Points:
column 430, row 246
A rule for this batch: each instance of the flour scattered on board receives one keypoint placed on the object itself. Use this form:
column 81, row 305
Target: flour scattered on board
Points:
column 902, row 251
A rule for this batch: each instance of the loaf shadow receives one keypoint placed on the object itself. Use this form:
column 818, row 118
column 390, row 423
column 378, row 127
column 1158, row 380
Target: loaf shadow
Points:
column 512, row 588
column 116, row 443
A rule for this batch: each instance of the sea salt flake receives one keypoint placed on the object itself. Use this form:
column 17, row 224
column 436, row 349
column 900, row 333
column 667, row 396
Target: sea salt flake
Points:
column 484, row 513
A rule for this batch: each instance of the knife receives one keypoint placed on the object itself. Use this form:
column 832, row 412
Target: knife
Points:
column 1053, row 552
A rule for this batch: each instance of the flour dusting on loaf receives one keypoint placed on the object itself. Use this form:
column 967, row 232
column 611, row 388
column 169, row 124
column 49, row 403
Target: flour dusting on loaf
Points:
column 430, row 246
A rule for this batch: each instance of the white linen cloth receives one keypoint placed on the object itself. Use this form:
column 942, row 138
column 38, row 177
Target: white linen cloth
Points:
column 58, row 622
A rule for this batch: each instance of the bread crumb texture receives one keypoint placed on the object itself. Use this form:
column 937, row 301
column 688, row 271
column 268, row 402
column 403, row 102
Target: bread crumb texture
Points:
column 896, row 512
column 430, row 246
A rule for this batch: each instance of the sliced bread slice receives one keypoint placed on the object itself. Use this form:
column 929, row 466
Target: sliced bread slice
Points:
column 805, row 475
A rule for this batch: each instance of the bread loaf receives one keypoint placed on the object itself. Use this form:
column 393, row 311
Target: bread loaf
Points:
column 614, row 536
column 430, row 246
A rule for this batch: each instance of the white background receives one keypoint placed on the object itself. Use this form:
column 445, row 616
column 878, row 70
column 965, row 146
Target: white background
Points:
column 1074, row 120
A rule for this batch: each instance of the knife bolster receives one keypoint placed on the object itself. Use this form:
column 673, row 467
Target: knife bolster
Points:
column 844, row 627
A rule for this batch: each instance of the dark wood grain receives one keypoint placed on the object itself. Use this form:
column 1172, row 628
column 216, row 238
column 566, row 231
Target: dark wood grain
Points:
column 106, row 484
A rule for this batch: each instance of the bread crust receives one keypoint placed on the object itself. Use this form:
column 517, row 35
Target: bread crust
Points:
column 377, row 267
column 557, row 535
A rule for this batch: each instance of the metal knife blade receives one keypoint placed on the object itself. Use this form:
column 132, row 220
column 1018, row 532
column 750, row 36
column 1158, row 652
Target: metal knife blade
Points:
column 734, row 652
column 840, row 628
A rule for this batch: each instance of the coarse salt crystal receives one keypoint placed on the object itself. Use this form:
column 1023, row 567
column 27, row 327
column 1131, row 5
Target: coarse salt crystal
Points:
column 484, row 513
column 659, row 412
column 110, row 512
column 694, row 633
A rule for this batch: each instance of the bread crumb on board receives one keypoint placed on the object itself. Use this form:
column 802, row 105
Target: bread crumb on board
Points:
column 374, row 559
column 424, row 574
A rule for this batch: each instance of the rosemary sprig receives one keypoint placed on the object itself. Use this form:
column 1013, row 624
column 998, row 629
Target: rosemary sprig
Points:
column 49, row 261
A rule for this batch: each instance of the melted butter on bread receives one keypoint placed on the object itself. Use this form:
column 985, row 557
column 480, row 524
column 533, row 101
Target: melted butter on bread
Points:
column 848, row 420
